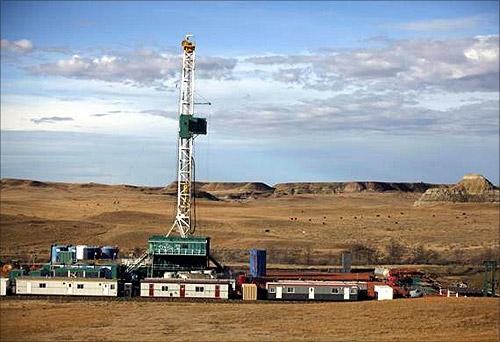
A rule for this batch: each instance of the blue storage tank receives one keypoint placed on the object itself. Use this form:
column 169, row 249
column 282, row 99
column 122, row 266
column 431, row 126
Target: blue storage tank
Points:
column 91, row 253
column 54, row 252
column 72, row 249
column 258, row 262
column 109, row 252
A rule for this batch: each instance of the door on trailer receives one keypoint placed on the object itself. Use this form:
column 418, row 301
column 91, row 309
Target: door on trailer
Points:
column 105, row 289
column 346, row 293
column 217, row 291
column 183, row 291
column 28, row 287
column 279, row 292
column 69, row 288
column 151, row 290
column 311, row 293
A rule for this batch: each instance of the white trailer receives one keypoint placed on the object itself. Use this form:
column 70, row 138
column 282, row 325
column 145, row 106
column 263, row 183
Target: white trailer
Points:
column 186, row 288
column 67, row 286
column 4, row 285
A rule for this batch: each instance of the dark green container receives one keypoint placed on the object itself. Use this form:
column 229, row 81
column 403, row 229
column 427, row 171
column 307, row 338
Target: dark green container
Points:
column 190, row 125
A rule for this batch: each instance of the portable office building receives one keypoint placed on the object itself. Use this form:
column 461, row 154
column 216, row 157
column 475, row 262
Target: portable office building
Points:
column 4, row 285
column 67, row 286
column 186, row 288
column 315, row 290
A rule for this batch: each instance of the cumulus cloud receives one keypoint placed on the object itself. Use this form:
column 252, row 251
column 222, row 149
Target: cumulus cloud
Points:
column 457, row 65
column 51, row 119
column 17, row 46
column 139, row 68
column 359, row 113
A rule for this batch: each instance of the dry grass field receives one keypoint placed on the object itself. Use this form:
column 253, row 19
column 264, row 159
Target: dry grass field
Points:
column 296, row 229
column 33, row 216
column 424, row 319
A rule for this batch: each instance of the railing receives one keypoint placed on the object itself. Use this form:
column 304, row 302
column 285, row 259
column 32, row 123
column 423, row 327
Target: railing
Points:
column 178, row 251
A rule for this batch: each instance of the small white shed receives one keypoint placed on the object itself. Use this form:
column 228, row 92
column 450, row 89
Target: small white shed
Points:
column 384, row 292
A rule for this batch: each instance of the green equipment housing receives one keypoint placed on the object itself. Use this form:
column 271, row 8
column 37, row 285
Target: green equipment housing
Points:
column 190, row 125
column 174, row 253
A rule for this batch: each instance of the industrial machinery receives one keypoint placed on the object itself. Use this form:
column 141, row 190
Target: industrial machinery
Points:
column 170, row 253
column 189, row 127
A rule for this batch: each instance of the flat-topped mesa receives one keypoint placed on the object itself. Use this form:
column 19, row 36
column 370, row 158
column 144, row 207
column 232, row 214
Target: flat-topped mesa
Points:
column 228, row 190
column 475, row 183
column 472, row 188
column 328, row 188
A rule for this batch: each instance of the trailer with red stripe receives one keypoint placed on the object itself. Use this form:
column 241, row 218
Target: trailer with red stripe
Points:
column 187, row 288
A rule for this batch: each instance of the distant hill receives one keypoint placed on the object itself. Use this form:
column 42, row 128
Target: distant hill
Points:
column 348, row 187
column 229, row 190
column 472, row 188
column 239, row 190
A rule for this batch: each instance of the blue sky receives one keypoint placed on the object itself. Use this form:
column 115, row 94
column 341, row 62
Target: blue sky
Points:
column 301, row 91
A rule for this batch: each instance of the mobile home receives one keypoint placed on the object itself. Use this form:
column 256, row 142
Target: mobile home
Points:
column 186, row 288
column 315, row 290
column 67, row 286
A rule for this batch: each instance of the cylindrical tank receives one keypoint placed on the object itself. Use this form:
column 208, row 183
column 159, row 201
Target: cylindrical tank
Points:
column 92, row 252
column 258, row 262
column 109, row 252
column 72, row 251
column 80, row 249
column 54, row 252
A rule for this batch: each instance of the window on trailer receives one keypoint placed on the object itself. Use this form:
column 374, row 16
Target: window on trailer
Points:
column 290, row 290
column 79, row 286
column 164, row 288
column 112, row 286
column 272, row 290
column 199, row 289
column 354, row 290
column 42, row 285
column 335, row 290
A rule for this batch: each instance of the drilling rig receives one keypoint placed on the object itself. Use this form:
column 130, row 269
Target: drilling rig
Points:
column 186, row 252
column 189, row 127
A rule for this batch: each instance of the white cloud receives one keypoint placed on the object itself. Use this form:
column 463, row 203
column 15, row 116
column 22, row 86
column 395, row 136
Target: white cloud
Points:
column 17, row 46
column 138, row 68
column 470, row 64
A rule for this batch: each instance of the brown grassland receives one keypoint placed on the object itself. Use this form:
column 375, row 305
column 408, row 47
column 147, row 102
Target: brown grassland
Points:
column 33, row 216
column 423, row 319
